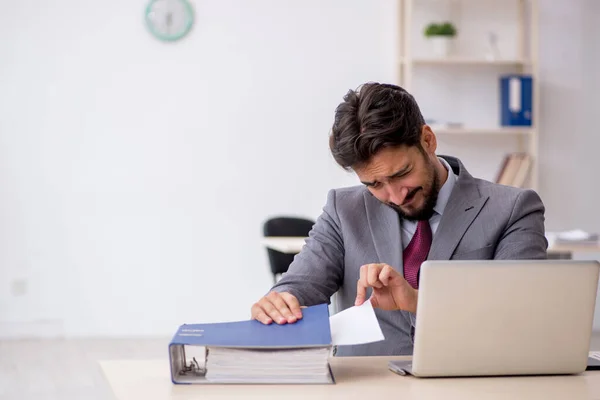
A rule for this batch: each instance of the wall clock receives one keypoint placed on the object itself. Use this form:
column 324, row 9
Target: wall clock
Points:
column 169, row 20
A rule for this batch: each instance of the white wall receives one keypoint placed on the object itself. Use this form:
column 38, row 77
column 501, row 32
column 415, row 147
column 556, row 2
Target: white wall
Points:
column 570, row 70
column 135, row 175
column 568, row 142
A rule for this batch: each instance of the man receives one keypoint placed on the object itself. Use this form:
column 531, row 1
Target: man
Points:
column 413, row 205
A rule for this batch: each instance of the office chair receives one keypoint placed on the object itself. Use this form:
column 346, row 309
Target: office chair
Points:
column 284, row 226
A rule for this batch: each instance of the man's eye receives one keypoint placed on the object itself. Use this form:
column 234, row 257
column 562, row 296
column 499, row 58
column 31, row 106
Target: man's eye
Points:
column 403, row 175
column 376, row 185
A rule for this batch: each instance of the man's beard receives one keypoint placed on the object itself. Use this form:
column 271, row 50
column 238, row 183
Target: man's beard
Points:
column 427, row 210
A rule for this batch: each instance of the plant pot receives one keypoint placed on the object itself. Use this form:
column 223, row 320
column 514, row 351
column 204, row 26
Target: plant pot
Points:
column 441, row 45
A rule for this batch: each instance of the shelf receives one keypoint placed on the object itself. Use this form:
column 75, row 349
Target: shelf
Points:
column 434, row 74
column 520, row 130
column 465, row 61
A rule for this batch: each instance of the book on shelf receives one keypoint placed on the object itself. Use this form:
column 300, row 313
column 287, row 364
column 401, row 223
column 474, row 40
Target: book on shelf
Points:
column 515, row 170
column 247, row 352
column 516, row 100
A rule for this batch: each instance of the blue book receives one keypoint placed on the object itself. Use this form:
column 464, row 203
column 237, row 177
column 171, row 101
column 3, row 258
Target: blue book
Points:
column 516, row 100
column 311, row 331
column 259, row 348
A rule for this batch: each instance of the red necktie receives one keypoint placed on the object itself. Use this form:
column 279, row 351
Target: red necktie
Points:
column 416, row 252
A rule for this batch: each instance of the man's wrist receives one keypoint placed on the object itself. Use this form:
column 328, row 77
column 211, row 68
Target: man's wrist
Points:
column 415, row 300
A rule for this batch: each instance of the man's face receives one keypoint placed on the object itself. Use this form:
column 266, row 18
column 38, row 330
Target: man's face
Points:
column 405, row 178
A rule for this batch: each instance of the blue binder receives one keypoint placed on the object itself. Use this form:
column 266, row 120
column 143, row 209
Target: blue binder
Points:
column 516, row 100
column 312, row 331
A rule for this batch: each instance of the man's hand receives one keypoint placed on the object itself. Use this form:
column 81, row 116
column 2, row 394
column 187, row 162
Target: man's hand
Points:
column 279, row 307
column 390, row 290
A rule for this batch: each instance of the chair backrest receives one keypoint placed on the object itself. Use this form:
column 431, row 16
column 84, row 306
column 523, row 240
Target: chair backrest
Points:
column 284, row 226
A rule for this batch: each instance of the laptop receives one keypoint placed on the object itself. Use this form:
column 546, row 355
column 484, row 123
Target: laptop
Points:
column 503, row 318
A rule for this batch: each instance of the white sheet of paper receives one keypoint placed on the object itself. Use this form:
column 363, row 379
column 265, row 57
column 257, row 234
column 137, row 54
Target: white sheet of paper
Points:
column 355, row 325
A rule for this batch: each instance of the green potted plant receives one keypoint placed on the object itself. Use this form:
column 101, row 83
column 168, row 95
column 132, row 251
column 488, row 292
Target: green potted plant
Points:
column 441, row 36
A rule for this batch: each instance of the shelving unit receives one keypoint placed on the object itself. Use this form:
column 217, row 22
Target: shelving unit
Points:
column 474, row 19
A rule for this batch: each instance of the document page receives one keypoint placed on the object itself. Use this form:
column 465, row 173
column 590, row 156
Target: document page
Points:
column 355, row 325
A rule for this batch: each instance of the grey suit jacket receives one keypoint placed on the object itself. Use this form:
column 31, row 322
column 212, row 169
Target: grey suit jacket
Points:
column 482, row 220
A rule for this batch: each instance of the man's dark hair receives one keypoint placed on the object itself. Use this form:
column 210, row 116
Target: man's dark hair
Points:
column 373, row 117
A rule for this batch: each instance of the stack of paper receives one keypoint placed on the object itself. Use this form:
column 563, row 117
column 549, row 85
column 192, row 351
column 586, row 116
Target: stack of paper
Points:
column 229, row 365
column 576, row 236
column 250, row 352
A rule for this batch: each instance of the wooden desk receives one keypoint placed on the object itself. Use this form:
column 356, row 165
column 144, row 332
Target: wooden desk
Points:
column 574, row 248
column 292, row 245
column 357, row 378
column 284, row 244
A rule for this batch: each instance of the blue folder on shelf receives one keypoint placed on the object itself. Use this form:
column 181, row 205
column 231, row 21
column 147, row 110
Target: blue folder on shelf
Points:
column 251, row 352
column 516, row 100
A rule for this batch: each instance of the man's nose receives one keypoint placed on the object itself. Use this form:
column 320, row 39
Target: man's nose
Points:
column 396, row 193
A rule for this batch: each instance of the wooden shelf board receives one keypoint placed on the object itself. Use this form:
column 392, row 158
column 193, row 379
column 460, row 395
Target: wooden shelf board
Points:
column 483, row 131
column 465, row 61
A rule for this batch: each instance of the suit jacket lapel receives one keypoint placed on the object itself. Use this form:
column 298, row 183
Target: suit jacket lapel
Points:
column 384, row 224
column 457, row 217
column 464, row 205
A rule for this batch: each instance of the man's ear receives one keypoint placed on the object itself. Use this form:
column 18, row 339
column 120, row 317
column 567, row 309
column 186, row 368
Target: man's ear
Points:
column 428, row 139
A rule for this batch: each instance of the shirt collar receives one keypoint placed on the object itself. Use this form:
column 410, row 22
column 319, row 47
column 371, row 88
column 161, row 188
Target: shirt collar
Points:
column 446, row 189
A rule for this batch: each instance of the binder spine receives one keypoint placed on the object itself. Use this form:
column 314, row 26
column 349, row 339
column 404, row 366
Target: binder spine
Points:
column 516, row 100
